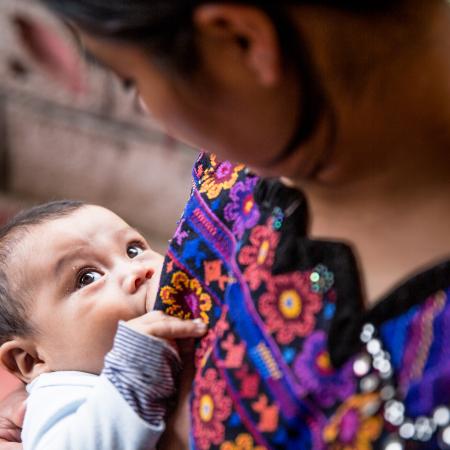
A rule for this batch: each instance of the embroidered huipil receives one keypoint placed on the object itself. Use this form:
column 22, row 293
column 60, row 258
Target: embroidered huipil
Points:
column 275, row 370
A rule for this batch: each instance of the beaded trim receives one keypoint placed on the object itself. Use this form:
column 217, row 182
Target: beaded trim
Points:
column 374, row 370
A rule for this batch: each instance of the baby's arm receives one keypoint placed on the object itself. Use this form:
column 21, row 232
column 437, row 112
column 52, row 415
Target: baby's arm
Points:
column 143, row 363
column 124, row 408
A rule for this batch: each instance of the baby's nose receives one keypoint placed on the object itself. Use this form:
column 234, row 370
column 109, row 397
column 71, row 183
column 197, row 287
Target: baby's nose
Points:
column 137, row 277
column 141, row 277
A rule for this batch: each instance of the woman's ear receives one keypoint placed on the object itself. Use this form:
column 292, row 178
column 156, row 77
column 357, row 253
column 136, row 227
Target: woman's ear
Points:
column 19, row 356
column 50, row 51
column 250, row 29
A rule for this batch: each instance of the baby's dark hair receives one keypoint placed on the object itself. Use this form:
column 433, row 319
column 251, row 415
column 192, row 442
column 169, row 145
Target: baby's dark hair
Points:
column 14, row 320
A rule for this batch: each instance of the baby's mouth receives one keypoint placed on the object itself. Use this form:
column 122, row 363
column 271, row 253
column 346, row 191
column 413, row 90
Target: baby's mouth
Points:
column 150, row 297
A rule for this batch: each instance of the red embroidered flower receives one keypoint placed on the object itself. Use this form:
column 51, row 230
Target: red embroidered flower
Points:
column 211, row 407
column 207, row 343
column 289, row 307
column 185, row 298
column 259, row 255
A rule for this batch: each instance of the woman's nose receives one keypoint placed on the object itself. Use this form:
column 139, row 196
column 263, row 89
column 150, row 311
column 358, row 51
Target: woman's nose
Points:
column 138, row 275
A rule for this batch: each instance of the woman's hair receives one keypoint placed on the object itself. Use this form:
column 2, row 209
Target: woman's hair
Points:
column 166, row 30
column 13, row 311
column 166, row 27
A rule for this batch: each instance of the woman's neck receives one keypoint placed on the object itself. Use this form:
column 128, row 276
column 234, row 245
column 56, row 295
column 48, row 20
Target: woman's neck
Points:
column 396, row 218
column 392, row 235
column 385, row 189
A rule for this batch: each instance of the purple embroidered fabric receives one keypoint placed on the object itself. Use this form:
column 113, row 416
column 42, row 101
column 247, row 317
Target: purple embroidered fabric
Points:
column 275, row 370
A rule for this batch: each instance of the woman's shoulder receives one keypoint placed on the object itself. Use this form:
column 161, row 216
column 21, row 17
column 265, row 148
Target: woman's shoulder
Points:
column 233, row 192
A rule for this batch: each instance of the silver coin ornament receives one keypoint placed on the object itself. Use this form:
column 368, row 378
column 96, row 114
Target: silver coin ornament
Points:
column 373, row 368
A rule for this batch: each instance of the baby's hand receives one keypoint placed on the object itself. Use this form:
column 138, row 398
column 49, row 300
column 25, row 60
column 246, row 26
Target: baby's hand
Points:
column 158, row 324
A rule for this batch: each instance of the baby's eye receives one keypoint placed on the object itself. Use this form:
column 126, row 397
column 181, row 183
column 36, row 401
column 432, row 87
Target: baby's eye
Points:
column 88, row 277
column 134, row 250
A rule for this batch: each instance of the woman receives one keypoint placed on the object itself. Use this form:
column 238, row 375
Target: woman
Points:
column 349, row 102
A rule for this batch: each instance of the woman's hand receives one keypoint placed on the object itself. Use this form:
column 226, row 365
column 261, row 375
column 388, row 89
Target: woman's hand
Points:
column 12, row 412
column 160, row 325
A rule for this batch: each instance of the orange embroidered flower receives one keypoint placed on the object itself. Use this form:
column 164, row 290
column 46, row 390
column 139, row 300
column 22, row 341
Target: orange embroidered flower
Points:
column 243, row 442
column 356, row 424
column 185, row 298
column 220, row 176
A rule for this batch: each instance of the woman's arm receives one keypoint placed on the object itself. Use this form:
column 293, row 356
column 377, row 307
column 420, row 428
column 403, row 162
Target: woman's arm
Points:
column 179, row 422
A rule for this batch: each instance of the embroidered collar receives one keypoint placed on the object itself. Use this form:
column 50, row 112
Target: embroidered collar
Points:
column 297, row 251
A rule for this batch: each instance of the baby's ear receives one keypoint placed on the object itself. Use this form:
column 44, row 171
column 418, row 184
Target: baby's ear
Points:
column 19, row 356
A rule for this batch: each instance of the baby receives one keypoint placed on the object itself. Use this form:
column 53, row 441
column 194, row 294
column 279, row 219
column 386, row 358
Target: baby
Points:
column 76, row 285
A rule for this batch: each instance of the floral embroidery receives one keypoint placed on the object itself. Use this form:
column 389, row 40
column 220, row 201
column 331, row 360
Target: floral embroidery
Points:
column 213, row 160
column 220, row 176
column 316, row 374
column 199, row 170
column 289, row 307
column 249, row 381
column 268, row 414
column 180, row 234
column 207, row 343
column 213, row 273
column 355, row 425
column 211, row 407
column 259, row 256
column 234, row 352
column 243, row 442
column 242, row 211
column 185, row 298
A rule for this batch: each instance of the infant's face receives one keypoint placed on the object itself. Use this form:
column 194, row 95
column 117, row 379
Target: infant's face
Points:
column 84, row 272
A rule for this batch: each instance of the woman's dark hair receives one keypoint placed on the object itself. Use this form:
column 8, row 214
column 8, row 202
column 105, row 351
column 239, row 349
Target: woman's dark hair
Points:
column 13, row 311
column 166, row 29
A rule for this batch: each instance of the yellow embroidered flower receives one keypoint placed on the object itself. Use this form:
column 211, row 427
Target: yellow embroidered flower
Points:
column 185, row 298
column 243, row 442
column 356, row 424
column 220, row 176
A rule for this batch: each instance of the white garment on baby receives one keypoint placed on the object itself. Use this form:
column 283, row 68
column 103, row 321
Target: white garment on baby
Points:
column 81, row 411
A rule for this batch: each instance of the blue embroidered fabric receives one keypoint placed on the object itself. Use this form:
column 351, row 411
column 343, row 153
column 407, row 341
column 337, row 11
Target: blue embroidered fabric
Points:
column 275, row 370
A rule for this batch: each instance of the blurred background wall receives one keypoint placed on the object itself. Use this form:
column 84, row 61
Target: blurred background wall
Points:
column 97, row 146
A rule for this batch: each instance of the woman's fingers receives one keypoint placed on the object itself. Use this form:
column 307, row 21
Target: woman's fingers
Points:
column 173, row 328
column 158, row 324
column 12, row 411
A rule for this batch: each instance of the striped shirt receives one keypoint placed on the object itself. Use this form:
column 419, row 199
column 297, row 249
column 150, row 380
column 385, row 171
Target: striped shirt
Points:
column 144, row 370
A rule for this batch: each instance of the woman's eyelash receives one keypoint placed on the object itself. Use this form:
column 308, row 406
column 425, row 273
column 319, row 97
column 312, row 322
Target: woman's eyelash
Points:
column 128, row 84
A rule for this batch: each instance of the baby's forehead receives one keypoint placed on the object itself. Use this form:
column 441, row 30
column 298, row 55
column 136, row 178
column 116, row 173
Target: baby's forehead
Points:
column 77, row 235
column 84, row 223
column 87, row 227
